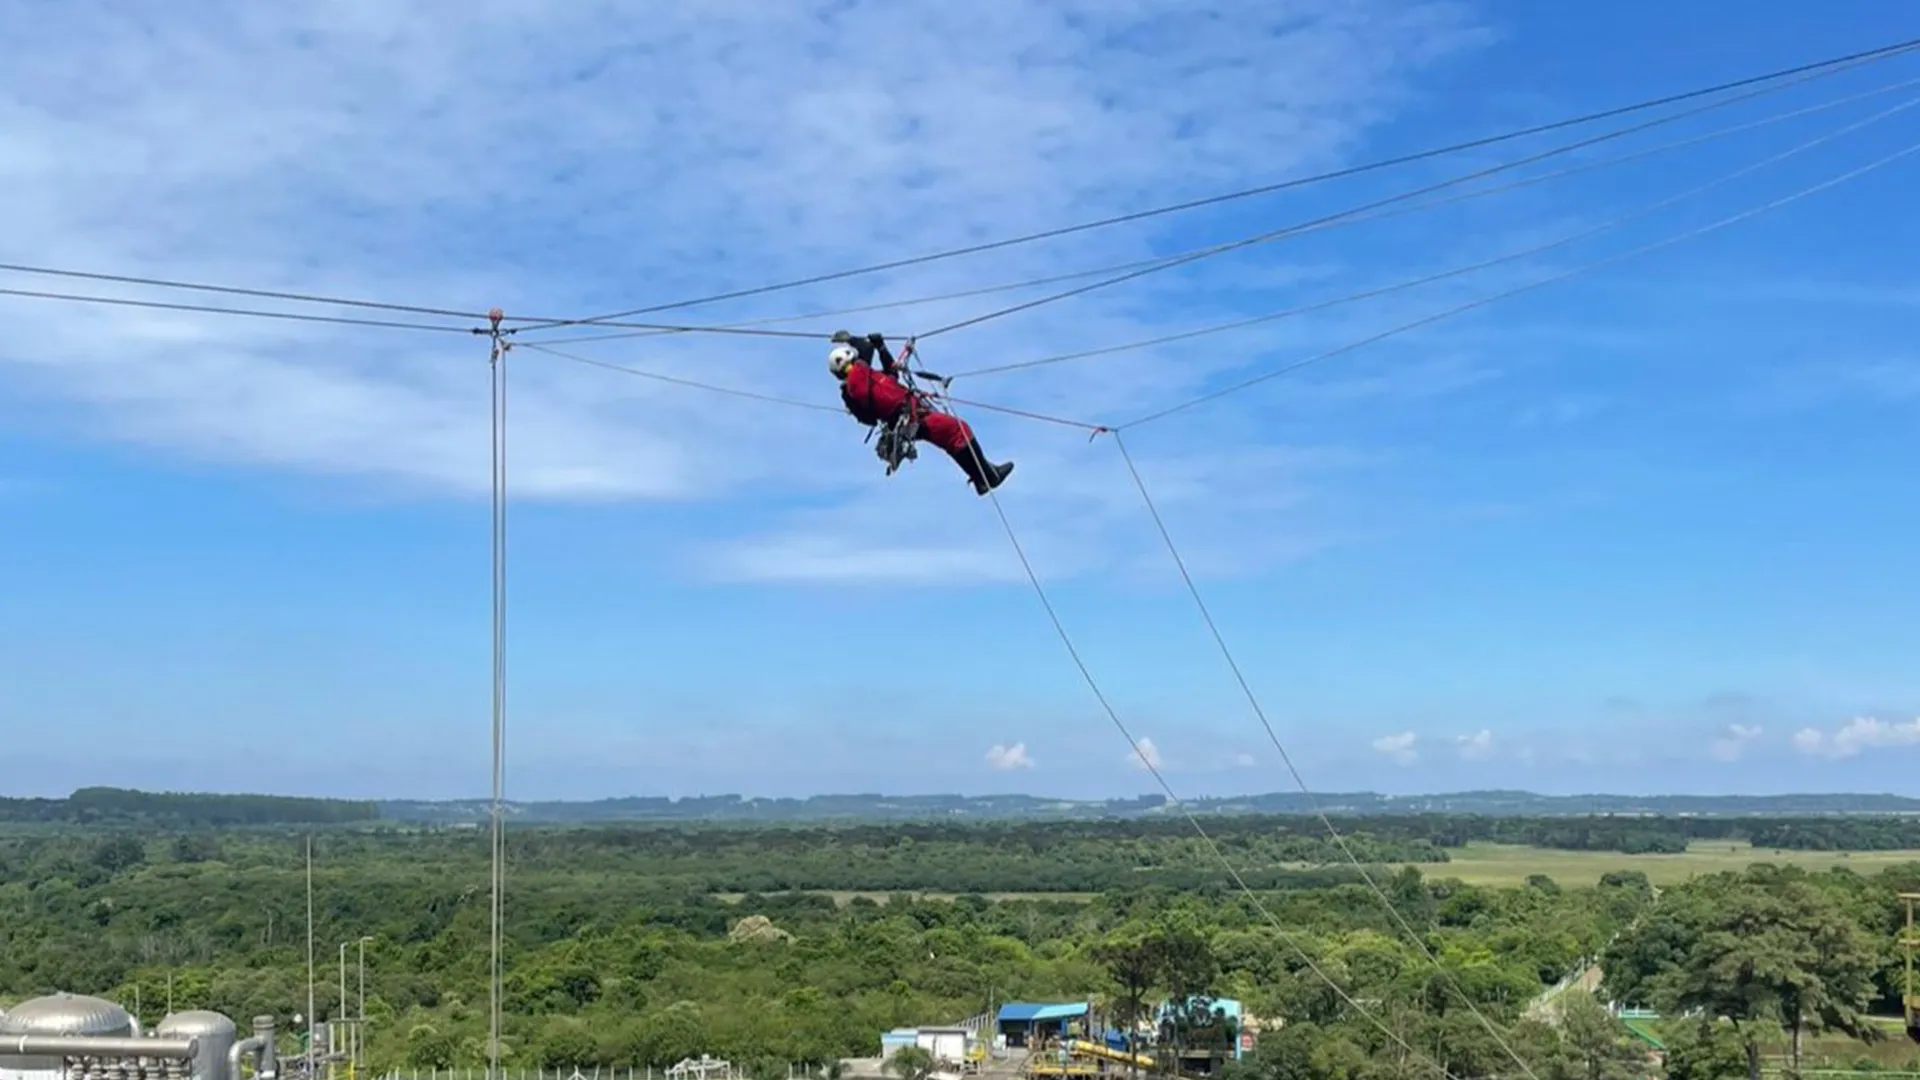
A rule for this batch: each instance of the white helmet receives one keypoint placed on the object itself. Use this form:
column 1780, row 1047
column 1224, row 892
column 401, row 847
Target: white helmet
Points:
column 840, row 358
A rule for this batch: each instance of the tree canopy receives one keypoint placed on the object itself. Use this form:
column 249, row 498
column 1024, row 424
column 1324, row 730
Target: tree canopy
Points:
column 639, row 946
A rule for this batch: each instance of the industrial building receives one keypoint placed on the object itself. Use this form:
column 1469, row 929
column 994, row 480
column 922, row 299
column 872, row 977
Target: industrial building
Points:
column 957, row 1049
column 953, row 1049
column 1030, row 1023
column 74, row 1037
column 1069, row 1040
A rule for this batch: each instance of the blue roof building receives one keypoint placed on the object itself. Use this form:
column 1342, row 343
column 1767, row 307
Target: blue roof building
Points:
column 1021, row 1021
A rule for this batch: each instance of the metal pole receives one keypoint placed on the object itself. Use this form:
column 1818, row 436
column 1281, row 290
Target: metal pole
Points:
column 339, row 1023
column 496, row 987
column 312, row 1001
column 360, row 1012
column 1909, row 942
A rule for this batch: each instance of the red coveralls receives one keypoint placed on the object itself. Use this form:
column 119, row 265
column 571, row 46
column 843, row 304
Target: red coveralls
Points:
column 875, row 397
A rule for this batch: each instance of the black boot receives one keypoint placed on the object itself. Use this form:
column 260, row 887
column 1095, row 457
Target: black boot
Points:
column 985, row 475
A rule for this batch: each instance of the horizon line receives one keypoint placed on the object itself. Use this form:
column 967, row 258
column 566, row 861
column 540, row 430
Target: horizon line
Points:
column 1146, row 798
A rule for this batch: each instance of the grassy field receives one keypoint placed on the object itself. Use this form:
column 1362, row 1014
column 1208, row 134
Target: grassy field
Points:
column 844, row 898
column 1509, row 864
column 1838, row 1054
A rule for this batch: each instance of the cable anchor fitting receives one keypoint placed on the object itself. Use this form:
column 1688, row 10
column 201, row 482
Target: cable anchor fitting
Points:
column 499, row 336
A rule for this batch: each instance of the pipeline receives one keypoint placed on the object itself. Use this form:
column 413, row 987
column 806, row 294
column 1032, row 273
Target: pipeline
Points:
column 99, row 1046
column 260, row 1046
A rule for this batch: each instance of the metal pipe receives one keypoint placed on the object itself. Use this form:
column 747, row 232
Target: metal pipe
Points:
column 238, row 1052
column 269, row 1067
column 260, row 1045
column 98, row 1046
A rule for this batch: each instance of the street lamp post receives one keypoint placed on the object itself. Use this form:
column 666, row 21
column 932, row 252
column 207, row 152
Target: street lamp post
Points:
column 360, row 1013
column 340, row 1017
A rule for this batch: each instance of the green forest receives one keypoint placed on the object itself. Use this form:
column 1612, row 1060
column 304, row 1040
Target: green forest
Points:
column 642, row 945
column 1401, row 837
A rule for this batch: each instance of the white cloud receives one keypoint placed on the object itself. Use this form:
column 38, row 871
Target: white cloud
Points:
column 1477, row 746
column 1009, row 758
column 1398, row 747
column 1144, row 755
column 1245, row 760
column 1855, row 736
column 357, row 149
column 1730, row 745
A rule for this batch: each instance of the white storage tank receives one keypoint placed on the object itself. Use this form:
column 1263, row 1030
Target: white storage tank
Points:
column 59, row 1014
column 216, row 1033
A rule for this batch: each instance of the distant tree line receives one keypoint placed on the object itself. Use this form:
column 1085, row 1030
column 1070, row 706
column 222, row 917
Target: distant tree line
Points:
column 120, row 806
column 1671, row 834
column 1279, row 846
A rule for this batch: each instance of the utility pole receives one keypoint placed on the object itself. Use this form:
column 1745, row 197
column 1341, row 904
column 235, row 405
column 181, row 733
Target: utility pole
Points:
column 496, row 984
column 360, row 1012
column 312, row 1004
column 1909, row 939
column 340, row 1019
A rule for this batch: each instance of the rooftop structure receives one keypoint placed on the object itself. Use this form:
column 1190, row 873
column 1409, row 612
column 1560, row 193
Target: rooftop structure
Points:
column 1021, row 1022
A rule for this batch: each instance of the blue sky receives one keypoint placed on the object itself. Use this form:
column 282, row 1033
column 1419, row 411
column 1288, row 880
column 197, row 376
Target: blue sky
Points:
column 1641, row 530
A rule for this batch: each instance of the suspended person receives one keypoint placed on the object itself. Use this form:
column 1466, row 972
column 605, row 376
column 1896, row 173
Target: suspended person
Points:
column 879, row 397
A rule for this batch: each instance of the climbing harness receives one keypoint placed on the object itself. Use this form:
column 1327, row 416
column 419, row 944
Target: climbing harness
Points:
column 896, row 444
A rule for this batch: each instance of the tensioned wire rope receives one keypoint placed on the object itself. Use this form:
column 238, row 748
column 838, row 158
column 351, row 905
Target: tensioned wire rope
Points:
column 1084, row 425
column 1427, row 320
column 1518, row 290
column 1839, row 62
column 748, row 329
column 1293, row 230
column 1806, row 73
column 1606, row 226
column 775, row 399
column 1479, row 193
column 52, row 271
column 208, row 309
column 311, row 298
column 1452, row 272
